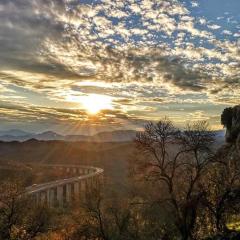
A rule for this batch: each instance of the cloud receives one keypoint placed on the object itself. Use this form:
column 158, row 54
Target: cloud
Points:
column 73, row 40
column 214, row 26
column 152, row 51
column 65, row 116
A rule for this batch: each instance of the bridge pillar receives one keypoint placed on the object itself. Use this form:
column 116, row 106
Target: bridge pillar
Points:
column 60, row 196
column 83, row 189
column 68, row 192
column 37, row 197
column 76, row 190
column 50, row 197
column 87, row 184
column 83, row 185
column 43, row 197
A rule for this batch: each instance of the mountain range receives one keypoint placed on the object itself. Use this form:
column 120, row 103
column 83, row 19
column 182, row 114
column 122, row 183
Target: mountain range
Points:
column 113, row 136
column 21, row 136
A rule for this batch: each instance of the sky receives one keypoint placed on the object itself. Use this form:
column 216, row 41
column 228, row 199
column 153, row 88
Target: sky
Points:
column 82, row 66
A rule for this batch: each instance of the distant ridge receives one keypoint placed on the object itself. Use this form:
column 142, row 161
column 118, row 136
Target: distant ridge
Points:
column 114, row 136
column 49, row 135
column 14, row 132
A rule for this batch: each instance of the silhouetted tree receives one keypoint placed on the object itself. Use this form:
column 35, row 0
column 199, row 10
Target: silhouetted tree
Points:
column 177, row 161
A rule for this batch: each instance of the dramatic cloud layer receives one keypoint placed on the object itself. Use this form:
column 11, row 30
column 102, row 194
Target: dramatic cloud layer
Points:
column 153, row 58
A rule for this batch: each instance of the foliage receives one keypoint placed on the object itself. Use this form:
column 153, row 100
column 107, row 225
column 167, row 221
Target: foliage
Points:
column 19, row 217
column 186, row 191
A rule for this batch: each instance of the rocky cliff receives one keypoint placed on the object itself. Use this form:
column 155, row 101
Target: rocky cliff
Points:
column 231, row 120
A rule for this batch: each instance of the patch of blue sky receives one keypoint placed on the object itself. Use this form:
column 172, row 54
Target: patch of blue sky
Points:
column 225, row 14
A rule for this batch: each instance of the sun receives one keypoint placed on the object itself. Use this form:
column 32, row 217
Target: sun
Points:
column 94, row 103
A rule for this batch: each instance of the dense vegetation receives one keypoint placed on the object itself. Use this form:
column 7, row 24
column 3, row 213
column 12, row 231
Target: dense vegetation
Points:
column 179, row 188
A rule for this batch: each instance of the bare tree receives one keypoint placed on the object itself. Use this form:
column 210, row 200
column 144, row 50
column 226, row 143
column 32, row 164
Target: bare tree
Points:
column 101, row 218
column 106, row 217
column 176, row 161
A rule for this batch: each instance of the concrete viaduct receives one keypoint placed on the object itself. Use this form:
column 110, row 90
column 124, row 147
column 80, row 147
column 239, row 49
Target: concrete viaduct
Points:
column 64, row 191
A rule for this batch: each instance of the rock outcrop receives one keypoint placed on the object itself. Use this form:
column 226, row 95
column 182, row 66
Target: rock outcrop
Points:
column 230, row 118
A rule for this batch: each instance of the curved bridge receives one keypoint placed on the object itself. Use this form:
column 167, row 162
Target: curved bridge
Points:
column 63, row 191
